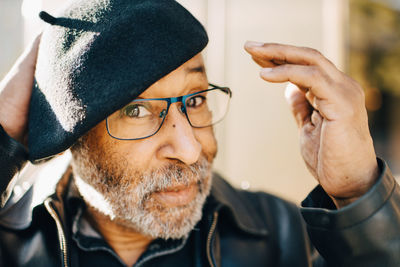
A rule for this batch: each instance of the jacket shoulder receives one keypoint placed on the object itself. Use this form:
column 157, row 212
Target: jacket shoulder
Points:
column 277, row 220
column 261, row 208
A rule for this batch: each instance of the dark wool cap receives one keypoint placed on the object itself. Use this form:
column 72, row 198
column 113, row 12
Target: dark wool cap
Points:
column 98, row 55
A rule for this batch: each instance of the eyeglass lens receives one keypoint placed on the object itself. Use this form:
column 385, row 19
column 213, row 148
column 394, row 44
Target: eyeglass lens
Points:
column 143, row 118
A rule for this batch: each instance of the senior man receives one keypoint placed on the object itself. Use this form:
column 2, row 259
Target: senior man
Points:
column 123, row 85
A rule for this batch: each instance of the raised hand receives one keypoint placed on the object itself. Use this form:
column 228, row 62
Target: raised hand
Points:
column 329, row 109
column 15, row 94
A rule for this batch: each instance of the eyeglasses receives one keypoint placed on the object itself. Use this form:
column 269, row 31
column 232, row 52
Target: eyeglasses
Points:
column 143, row 118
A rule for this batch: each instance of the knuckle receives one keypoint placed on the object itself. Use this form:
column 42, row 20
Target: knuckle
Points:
column 314, row 52
column 357, row 90
column 360, row 95
column 315, row 73
column 317, row 53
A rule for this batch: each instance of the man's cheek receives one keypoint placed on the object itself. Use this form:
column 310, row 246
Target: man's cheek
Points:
column 135, row 152
column 206, row 138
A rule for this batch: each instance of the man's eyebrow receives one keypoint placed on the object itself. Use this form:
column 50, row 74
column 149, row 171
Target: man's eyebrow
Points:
column 198, row 69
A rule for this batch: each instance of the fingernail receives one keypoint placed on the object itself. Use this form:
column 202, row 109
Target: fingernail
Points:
column 253, row 44
column 265, row 71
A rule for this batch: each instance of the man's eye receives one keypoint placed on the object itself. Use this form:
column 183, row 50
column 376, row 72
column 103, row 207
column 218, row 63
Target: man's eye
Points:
column 195, row 101
column 135, row 111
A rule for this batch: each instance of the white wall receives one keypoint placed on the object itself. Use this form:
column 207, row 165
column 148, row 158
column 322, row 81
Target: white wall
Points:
column 10, row 34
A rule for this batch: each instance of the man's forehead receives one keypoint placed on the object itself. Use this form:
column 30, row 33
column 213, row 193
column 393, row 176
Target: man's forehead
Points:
column 200, row 69
column 190, row 75
column 193, row 65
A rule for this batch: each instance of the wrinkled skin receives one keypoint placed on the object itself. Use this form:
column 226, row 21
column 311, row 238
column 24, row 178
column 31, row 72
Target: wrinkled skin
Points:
column 329, row 108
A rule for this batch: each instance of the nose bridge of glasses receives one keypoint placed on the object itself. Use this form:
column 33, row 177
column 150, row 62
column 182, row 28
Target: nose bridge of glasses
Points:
column 178, row 99
column 181, row 106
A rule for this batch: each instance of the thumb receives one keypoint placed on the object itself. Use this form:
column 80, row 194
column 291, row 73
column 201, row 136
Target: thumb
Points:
column 300, row 107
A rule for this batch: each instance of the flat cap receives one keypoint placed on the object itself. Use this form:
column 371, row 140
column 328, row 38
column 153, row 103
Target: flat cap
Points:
column 96, row 56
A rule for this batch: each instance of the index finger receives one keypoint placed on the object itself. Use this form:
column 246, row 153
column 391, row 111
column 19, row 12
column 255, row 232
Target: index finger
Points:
column 282, row 54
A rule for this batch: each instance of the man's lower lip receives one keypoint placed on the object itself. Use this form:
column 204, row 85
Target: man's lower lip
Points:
column 177, row 196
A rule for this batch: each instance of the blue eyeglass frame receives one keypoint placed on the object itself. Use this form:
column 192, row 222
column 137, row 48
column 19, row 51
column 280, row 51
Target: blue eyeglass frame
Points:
column 170, row 101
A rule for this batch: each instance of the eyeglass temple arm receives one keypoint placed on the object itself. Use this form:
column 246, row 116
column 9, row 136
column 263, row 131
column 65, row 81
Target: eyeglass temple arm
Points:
column 213, row 85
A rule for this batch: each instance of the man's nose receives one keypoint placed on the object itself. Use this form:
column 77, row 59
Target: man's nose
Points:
column 179, row 139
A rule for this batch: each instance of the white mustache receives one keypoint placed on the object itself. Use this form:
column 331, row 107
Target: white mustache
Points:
column 170, row 176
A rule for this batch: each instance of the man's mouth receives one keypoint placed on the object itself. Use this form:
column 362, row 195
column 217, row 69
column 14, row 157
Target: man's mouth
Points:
column 177, row 195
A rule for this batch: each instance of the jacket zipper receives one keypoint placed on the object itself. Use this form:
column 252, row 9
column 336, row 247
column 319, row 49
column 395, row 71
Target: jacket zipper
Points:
column 209, row 237
column 61, row 235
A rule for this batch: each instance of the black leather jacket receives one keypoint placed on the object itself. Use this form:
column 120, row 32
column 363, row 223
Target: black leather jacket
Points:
column 238, row 228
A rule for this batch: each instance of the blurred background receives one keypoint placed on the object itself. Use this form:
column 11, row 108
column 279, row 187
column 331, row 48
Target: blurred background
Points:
column 258, row 141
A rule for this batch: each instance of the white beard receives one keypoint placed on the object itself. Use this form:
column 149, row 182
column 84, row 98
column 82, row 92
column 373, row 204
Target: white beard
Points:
column 125, row 195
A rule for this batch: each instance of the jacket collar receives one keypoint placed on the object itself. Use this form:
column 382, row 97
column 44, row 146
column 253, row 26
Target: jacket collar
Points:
column 223, row 198
column 237, row 205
